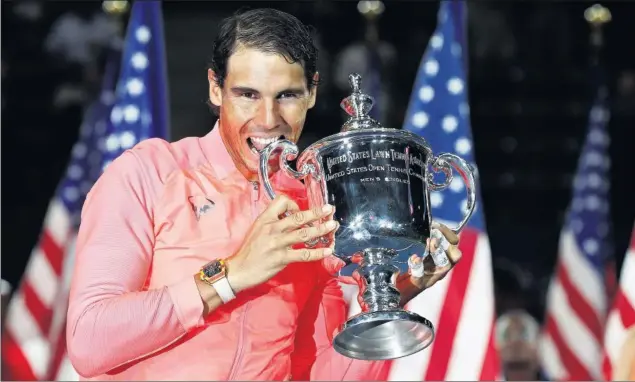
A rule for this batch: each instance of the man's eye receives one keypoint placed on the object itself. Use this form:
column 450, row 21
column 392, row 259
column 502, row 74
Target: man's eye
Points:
column 288, row 95
column 248, row 95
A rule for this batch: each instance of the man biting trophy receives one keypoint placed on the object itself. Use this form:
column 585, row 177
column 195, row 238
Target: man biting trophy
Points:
column 204, row 259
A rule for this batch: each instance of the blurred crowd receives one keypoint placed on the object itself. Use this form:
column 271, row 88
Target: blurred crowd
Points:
column 51, row 70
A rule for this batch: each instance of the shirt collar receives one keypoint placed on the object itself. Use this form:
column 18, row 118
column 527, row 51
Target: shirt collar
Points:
column 216, row 153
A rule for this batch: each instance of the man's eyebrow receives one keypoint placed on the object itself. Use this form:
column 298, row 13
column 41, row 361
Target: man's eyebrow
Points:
column 244, row 89
column 293, row 90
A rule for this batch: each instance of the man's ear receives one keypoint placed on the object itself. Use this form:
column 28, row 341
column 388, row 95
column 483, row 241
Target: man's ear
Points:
column 215, row 93
column 313, row 89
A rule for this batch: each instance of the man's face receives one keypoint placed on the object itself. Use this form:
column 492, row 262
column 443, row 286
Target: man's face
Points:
column 263, row 98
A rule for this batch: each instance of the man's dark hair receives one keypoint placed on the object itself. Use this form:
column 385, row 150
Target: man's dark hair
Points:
column 267, row 30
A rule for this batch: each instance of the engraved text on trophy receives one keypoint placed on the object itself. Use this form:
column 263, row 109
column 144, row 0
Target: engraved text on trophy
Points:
column 376, row 165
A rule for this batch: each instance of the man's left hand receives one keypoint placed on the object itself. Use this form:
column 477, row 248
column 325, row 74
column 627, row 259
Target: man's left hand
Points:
column 425, row 273
column 421, row 278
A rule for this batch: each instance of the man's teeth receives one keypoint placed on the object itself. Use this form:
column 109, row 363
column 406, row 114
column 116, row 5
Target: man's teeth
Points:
column 263, row 141
column 258, row 144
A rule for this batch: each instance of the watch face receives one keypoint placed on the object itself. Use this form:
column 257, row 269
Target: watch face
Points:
column 213, row 268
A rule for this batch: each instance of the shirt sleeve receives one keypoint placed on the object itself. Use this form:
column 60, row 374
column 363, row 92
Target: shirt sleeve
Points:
column 314, row 357
column 112, row 320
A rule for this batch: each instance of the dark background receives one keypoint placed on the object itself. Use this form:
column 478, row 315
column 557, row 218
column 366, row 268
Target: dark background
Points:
column 529, row 86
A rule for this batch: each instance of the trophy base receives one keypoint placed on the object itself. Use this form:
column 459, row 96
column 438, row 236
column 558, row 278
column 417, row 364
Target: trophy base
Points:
column 383, row 335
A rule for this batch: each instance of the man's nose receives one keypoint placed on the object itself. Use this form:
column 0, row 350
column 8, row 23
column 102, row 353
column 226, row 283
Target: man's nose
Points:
column 268, row 115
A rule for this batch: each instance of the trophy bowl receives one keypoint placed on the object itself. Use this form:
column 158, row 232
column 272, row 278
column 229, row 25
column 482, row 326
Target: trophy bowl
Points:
column 379, row 180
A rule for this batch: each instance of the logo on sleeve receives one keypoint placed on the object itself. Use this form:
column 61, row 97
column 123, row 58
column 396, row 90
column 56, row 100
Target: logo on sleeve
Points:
column 201, row 205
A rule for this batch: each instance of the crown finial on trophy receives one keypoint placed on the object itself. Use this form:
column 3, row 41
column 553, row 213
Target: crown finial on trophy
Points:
column 357, row 106
column 356, row 82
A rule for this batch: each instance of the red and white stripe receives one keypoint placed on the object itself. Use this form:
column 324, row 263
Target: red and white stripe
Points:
column 36, row 315
column 621, row 318
column 571, row 342
column 461, row 308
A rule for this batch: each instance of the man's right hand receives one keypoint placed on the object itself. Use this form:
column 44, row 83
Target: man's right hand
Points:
column 267, row 247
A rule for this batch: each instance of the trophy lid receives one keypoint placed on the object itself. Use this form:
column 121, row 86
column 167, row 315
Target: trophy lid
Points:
column 357, row 106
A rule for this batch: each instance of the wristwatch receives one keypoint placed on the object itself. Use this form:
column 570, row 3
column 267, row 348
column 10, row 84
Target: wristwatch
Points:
column 214, row 274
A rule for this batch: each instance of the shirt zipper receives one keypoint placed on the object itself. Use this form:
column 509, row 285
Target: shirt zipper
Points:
column 240, row 352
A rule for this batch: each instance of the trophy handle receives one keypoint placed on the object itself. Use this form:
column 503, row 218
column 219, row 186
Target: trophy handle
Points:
column 445, row 163
column 289, row 152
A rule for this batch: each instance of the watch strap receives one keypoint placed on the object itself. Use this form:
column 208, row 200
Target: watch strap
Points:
column 224, row 290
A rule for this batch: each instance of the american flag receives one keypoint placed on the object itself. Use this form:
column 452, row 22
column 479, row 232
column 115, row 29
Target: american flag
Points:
column 571, row 342
column 621, row 319
column 461, row 306
column 33, row 345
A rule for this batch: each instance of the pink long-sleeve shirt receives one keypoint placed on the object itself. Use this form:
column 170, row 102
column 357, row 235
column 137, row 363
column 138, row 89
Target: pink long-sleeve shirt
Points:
column 156, row 215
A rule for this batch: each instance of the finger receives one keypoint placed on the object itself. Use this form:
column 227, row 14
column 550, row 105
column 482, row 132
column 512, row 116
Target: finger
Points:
column 432, row 245
column 454, row 254
column 304, row 234
column 439, row 263
column 440, row 258
column 450, row 235
column 301, row 218
column 306, row 255
column 415, row 266
column 329, row 239
column 279, row 206
column 439, row 246
column 439, row 241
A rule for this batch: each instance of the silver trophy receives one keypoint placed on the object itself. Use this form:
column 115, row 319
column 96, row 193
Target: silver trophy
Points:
column 379, row 180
